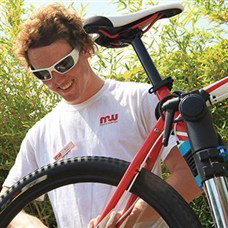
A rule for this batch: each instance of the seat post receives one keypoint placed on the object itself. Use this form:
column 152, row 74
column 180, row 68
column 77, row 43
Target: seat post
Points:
column 146, row 60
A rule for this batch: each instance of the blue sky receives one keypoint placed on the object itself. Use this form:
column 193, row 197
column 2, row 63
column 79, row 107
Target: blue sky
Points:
column 94, row 7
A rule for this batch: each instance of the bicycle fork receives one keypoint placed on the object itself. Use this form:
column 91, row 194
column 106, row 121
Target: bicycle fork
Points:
column 208, row 155
column 216, row 191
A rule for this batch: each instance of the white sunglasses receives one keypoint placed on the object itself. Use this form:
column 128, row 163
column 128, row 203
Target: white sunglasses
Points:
column 62, row 66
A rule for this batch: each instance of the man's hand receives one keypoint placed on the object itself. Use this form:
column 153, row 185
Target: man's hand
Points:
column 110, row 223
column 24, row 220
column 141, row 214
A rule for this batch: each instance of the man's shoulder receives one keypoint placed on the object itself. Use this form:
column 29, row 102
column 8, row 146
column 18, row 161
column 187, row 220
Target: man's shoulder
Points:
column 127, row 83
column 133, row 93
column 128, row 86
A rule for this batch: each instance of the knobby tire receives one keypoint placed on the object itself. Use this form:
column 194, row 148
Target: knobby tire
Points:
column 149, row 187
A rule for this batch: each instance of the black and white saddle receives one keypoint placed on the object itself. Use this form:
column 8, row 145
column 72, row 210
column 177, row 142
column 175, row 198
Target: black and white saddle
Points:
column 115, row 31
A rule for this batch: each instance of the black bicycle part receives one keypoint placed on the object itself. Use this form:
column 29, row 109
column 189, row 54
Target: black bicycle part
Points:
column 204, row 139
column 146, row 60
column 168, row 82
column 149, row 187
column 198, row 122
column 170, row 107
column 209, row 164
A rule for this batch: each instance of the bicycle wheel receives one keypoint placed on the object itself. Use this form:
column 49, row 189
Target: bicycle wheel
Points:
column 149, row 187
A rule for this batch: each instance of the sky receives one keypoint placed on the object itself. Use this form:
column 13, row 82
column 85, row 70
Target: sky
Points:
column 95, row 7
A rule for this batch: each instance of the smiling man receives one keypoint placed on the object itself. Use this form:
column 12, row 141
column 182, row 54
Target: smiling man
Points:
column 70, row 76
column 93, row 118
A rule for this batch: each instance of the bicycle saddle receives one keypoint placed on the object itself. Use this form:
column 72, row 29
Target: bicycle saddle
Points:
column 110, row 29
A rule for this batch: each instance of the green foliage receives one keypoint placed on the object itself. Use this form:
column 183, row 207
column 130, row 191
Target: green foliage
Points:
column 23, row 100
column 194, row 55
column 215, row 10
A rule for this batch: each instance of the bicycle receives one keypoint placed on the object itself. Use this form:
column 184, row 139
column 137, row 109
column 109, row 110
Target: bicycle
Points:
column 205, row 157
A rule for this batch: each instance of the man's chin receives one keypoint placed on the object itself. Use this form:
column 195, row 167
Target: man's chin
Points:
column 71, row 101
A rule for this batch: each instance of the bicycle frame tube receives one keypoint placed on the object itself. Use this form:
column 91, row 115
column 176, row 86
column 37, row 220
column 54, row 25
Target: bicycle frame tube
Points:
column 218, row 91
column 148, row 164
column 134, row 167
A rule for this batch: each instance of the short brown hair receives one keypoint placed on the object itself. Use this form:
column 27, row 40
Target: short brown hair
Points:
column 49, row 24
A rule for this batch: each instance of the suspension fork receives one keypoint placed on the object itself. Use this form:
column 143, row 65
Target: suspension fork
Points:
column 216, row 191
column 206, row 152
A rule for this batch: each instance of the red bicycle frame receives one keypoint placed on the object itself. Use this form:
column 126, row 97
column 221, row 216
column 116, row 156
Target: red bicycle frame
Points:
column 149, row 152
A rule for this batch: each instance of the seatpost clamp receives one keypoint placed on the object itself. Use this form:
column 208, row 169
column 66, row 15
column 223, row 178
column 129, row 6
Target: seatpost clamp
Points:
column 168, row 82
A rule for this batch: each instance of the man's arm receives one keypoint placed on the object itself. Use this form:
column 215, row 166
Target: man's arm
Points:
column 23, row 220
column 181, row 178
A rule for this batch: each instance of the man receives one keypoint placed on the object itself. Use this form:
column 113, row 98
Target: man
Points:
column 54, row 46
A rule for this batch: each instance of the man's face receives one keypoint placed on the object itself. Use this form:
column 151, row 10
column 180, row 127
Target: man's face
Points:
column 76, row 84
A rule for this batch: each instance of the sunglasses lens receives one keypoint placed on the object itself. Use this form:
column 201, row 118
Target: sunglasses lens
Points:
column 42, row 75
column 65, row 64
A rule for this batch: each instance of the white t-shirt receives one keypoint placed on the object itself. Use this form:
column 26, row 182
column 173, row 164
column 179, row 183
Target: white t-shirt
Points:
column 113, row 123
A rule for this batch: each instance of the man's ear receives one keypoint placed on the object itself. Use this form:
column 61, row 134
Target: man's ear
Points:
column 86, row 51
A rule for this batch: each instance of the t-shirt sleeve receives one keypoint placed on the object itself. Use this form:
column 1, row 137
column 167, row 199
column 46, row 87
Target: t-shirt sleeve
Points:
column 148, row 106
column 25, row 163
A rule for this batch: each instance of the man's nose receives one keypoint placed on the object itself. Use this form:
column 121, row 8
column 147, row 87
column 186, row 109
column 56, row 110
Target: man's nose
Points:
column 57, row 77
